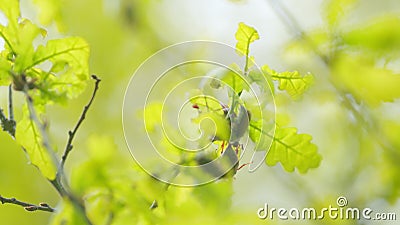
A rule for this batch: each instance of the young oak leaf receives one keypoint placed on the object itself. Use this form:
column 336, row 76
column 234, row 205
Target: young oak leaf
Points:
column 5, row 67
column 28, row 136
column 234, row 81
column 22, row 43
column 291, row 149
column 10, row 8
column 69, row 73
column 293, row 83
column 245, row 35
column 68, row 56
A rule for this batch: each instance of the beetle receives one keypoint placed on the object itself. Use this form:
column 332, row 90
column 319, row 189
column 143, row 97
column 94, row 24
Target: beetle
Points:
column 231, row 147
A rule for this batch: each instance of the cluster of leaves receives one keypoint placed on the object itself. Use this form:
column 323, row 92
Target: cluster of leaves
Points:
column 54, row 71
column 362, row 58
column 46, row 73
column 283, row 144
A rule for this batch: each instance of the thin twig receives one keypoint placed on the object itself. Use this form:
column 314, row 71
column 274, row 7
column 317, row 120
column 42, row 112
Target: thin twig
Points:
column 72, row 133
column 10, row 104
column 61, row 187
column 27, row 206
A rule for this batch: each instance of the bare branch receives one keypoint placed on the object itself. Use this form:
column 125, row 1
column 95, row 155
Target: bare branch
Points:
column 72, row 133
column 27, row 206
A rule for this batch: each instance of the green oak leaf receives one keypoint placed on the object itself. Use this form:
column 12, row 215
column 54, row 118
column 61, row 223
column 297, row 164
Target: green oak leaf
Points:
column 68, row 59
column 293, row 150
column 50, row 11
column 22, row 44
column 28, row 136
column 10, row 8
column 289, row 148
column 245, row 35
column 293, row 83
column 233, row 79
column 5, row 67
column 69, row 72
column 263, row 80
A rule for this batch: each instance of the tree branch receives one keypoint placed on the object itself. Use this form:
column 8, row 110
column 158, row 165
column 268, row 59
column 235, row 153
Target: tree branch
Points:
column 59, row 183
column 71, row 134
column 27, row 206
column 366, row 119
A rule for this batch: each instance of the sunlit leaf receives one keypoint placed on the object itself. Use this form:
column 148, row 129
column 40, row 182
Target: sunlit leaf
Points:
column 22, row 42
column 335, row 10
column 10, row 8
column 73, row 53
column 234, row 81
column 292, row 150
column 359, row 76
column 381, row 35
column 261, row 132
column 263, row 80
column 50, row 10
column 245, row 35
column 29, row 137
column 293, row 83
column 5, row 68
column 204, row 103
column 152, row 116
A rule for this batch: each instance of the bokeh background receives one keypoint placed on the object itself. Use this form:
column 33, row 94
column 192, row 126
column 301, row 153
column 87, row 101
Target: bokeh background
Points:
column 123, row 33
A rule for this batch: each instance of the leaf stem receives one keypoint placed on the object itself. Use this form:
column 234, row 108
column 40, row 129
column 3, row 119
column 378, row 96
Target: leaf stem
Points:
column 71, row 134
column 27, row 206
column 277, row 140
column 246, row 66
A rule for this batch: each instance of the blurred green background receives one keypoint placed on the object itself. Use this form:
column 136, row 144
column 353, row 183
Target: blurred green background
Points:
column 358, row 136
